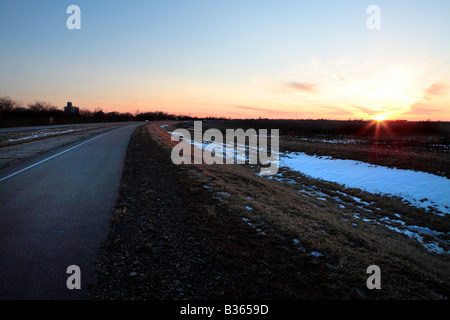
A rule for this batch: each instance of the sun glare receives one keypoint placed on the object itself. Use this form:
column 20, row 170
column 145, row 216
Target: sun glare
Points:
column 380, row 117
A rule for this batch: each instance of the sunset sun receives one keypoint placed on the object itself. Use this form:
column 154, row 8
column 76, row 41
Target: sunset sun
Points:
column 380, row 117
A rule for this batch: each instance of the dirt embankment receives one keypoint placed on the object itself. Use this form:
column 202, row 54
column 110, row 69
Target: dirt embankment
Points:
column 168, row 241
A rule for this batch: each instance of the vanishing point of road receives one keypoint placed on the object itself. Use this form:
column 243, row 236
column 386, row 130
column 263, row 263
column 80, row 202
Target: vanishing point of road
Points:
column 55, row 212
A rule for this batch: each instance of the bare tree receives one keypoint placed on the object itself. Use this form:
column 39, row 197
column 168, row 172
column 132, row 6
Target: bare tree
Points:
column 7, row 104
column 86, row 113
column 41, row 106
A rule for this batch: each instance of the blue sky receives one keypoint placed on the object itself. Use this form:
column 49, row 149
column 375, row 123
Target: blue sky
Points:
column 232, row 58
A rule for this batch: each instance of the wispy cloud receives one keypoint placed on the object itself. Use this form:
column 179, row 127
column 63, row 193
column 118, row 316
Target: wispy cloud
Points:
column 436, row 89
column 341, row 113
column 304, row 87
column 337, row 111
column 250, row 108
column 421, row 109
column 267, row 112
column 366, row 110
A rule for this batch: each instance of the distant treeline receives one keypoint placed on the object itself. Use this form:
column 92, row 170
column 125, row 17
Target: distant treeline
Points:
column 344, row 127
column 14, row 114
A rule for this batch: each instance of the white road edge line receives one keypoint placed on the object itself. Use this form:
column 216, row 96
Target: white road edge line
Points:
column 54, row 156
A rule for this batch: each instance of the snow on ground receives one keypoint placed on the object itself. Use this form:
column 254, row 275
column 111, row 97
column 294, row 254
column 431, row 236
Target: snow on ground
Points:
column 420, row 188
column 339, row 141
column 41, row 134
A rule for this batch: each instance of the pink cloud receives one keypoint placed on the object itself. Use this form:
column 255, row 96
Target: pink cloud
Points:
column 436, row 89
column 250, row 108
column 304, row 87
column 268, row 111
column 420, row 109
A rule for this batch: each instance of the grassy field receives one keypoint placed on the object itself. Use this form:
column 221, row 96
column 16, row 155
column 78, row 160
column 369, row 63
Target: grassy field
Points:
column 344, row 229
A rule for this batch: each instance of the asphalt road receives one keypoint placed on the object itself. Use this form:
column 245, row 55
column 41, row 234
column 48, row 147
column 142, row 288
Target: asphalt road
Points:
column 55, row 211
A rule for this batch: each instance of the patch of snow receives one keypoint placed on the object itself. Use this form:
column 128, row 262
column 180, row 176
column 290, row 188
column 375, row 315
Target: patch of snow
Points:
column 42, row 134
column 415, row 232
column 410, row 185
column 316, row 254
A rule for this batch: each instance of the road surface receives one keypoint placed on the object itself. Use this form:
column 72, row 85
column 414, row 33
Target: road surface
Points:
column 55, row 212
